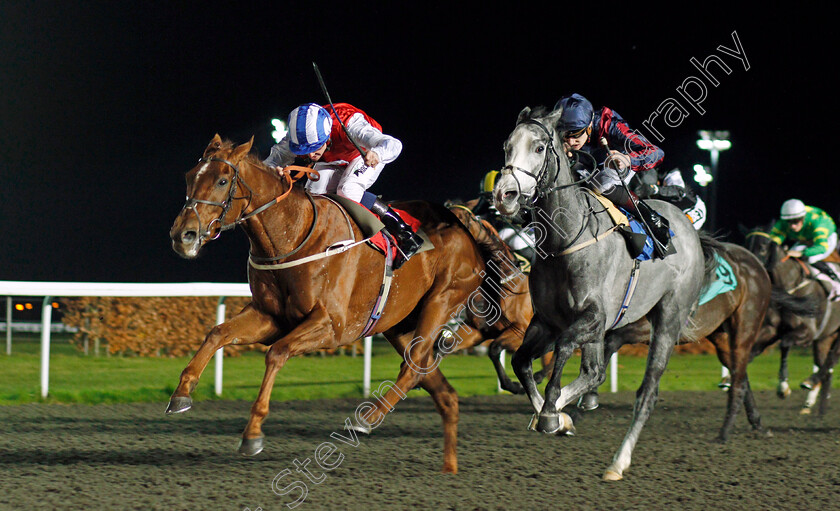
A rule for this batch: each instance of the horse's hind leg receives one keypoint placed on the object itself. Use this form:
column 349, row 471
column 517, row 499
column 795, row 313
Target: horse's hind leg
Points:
column 666, row 330
column 826, row 373
column 507, row 341
column 248, row 327
column 783, row 389
column 446, row 402
column 420, row 360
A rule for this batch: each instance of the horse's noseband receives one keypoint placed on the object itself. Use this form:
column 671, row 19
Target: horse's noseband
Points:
column 541, row 188
column 192, row 202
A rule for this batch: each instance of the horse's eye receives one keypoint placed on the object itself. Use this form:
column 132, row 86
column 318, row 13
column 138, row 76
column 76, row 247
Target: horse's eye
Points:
column 223, row 182
column 540, row 148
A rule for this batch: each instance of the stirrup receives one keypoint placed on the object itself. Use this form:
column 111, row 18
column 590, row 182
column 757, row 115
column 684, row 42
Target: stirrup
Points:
column 406, row 248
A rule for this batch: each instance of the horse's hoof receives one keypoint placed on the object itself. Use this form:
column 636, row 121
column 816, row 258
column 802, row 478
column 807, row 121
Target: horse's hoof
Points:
column 178, row 404
column 251, row 446
column 764, row 433
column 612, row 475
column 559, row 424
column 362, row 426
column 724, row 384
column 805, row 411
column 588, row 402
column 450, row 468
column 807, row 385
column 783, row 390
column 548, row 424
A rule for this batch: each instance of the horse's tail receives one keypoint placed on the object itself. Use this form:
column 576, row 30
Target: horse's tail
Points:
column 498, row 257
column 805, row 306
column 712, row 249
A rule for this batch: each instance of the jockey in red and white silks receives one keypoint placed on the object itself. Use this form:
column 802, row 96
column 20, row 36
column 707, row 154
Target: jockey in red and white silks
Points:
column 342, row 168
column 316, row 137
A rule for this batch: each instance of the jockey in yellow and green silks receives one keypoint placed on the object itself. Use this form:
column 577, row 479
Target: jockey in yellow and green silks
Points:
column 811, row 233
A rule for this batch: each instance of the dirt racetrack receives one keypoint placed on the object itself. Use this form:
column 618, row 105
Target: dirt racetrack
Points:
column 133, row 457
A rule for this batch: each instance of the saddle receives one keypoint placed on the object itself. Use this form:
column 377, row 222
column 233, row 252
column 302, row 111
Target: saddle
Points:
column 372, row 227
column 639, row 243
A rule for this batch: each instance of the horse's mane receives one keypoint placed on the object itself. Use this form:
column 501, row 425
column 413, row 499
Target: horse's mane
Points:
column 252, row 158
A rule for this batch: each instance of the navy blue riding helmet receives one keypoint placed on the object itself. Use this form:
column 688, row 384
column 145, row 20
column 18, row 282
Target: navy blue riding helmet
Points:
column 577, row 114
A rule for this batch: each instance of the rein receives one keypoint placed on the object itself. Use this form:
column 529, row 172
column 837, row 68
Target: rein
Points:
column 207, row 234
column 542, row 192
column 543, row 172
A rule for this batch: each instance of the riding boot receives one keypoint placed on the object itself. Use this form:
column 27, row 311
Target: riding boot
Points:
column 408, row 242
column 659, row 230
column 656, row 225
column 827, row 269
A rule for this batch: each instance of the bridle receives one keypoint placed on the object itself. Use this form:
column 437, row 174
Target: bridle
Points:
column 542, row 189
column 208, row 233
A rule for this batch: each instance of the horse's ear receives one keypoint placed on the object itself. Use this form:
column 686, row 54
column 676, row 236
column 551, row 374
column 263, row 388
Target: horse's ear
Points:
column 213, row 146
column 553, row 117
column 524, row 114
column 241, row 150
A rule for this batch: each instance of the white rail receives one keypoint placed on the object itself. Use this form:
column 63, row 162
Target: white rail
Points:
column 48, row 290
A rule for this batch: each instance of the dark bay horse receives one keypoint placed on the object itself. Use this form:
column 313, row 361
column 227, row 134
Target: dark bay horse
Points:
column 822, row 330
column 514, row 300
column 580, row 279
column 733, row 322
column 328, row 299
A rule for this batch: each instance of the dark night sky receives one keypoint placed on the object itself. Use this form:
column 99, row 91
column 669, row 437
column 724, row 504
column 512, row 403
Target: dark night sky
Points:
column 105, row 107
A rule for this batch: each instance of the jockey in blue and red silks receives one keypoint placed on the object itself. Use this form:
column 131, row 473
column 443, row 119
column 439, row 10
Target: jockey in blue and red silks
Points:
column 584, row 129
column 317, row 139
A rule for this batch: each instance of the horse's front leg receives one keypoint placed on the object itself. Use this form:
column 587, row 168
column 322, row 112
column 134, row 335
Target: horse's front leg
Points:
column 315, row 332
column 587, row 332
column 248, row 327
column 533, row 345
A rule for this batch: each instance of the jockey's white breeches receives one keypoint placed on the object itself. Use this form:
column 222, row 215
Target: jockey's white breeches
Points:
column 348, row 180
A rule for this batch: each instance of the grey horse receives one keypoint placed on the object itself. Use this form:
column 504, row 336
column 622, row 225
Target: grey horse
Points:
column 581, row 276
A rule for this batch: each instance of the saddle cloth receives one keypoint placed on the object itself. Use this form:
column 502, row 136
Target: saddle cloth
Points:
column 372, row 227
column 725, row 281
column 832, row 287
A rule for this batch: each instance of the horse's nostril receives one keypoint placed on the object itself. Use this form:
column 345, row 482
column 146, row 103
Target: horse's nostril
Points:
column 189, row 236
column 509, row 195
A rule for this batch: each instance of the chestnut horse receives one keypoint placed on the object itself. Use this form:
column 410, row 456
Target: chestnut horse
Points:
column 327, row 299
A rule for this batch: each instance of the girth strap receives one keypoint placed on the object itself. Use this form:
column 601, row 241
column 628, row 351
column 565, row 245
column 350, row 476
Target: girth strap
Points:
column 628, row 295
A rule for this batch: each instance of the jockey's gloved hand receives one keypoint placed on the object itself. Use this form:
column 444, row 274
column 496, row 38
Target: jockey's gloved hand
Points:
column 646, row 191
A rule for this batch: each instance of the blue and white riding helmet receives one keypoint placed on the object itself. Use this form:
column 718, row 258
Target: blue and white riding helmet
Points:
column 310, row 126
column 577, row 114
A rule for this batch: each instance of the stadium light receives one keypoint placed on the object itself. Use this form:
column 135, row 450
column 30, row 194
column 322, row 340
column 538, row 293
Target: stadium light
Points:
column 702, row 175
column 279, row 130
column 714, row 142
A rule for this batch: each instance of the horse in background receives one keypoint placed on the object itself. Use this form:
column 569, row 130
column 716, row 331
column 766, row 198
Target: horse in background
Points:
column 312, row 278
column 580, row 280
column 821, row 331
column 514, row 300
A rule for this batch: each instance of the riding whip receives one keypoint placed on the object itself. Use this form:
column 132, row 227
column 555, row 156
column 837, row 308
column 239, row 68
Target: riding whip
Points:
column 606, row 146
column 327, row 94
